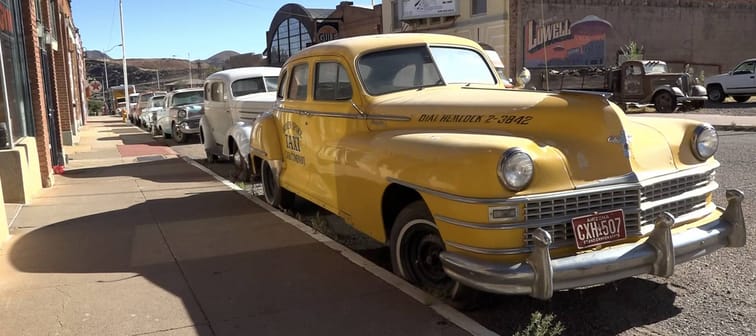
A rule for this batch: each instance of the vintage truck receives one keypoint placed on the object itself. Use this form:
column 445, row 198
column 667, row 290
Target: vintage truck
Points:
column 234, row 98
column 635, row 83
column 414, row 141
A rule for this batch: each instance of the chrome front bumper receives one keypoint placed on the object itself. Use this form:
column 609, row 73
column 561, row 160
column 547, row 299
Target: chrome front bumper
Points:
column 539, row 276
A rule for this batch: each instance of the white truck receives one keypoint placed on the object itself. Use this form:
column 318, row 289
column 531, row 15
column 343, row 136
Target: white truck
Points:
column 234, row 99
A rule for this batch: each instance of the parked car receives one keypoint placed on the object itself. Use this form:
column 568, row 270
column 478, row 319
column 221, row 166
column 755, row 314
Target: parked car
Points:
column 143, row 100
column 740, row 83
column 167, row 118
column 234, row 98
column 413, row 140
column 147, row 115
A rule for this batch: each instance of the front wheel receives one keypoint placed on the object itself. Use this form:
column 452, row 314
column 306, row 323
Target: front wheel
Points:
column 664, row 102
column 179, row 136
column 416, row 247
column 275, row 195
column 741, row 99
column 716, row 94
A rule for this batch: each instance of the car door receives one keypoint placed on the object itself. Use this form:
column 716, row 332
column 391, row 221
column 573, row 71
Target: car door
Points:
column 216, row 110
column 316, row 115
column 743, row 79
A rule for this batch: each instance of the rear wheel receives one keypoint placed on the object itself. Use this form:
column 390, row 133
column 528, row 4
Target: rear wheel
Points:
column 241, row 165
column 716, row 94
column 741, row 99
column 416, row 246
column 665, row 102
column 275, row 195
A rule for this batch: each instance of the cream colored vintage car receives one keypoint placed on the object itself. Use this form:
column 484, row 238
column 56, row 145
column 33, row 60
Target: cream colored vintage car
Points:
column 412, row 139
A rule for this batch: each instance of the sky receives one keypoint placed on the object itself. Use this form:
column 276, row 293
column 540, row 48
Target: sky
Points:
column 194, row 29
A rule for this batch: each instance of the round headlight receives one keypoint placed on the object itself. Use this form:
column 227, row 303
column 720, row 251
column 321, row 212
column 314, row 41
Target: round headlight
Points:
column 705, row 142
column 515, row 169
column 182, row 114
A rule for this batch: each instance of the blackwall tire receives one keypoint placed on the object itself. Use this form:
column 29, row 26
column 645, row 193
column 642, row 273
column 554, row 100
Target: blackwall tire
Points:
column 741, row 99
column 274, row 194
column 241, row 167
column 715, row 93
column 665, row 102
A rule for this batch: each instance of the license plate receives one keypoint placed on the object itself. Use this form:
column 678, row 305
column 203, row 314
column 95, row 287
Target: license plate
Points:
column 600, row 228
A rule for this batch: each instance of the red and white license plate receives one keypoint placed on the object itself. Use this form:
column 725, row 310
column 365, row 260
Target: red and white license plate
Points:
column 600, row 228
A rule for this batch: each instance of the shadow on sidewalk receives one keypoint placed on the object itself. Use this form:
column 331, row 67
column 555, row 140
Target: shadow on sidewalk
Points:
column 236, row 268
column 168, row 171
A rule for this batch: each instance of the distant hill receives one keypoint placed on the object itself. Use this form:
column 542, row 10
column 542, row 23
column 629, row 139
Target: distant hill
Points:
column 143, row 72
column 96, row 55
column 220, row 58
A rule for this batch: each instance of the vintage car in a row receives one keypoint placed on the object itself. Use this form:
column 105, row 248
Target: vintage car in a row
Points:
column 413, row 140
column 234, row 98
column 179, row 118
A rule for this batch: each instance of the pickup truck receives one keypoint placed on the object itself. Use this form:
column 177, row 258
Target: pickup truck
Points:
column 740, row 83
column 636, row 83
column 234, row 99
column 414, row 140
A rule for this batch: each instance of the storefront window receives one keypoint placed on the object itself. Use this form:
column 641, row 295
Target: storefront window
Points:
column 13, row 90
column 290, row 37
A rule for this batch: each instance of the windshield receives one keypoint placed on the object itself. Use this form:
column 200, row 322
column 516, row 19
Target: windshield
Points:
column 254, row 85
column 191, row 97
column 417, row 67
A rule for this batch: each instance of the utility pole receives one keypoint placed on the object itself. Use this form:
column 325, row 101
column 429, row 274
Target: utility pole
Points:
column 127, row 92
column 157, row 71
column 189, row 58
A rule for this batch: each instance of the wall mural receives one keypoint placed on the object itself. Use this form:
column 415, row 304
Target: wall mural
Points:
column 562, row 43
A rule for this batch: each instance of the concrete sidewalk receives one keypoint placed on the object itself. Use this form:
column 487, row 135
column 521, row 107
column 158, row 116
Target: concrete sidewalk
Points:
column 719, row 121
column 133, row 240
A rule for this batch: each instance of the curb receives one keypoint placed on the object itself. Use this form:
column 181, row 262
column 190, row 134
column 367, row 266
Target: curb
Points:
column 736, row 128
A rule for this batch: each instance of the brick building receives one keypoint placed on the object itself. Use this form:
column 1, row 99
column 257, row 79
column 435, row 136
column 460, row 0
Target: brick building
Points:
column 42, row 86
column 295, row 27
column 711, row 36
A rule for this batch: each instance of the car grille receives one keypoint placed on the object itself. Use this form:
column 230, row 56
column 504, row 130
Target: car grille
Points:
column 557, row 213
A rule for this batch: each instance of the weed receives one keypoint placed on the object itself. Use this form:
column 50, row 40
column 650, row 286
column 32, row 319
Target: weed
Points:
column 541, row 325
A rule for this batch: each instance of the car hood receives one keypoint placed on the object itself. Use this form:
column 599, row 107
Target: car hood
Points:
column 595, row 138
column 715, row 78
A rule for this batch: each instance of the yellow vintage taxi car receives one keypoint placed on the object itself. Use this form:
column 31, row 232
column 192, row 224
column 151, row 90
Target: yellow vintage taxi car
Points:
column 414, row 141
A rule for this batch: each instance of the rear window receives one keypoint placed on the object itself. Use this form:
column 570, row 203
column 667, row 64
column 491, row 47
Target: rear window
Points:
column 192, row 97
column 254, row 85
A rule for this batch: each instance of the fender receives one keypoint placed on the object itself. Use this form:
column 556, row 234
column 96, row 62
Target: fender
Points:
column 265, row 141
column 207, row 136
column 240, row 133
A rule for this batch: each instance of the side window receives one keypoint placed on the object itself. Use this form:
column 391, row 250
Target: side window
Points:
column 216, row 91
column 745, row 68
column 298, row 82
column 332, row 82
column 281, row 79
column 208, row 92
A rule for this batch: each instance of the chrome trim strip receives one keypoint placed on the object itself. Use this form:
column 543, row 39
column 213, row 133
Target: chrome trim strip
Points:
column 546, row 196
column 345, row 115
column 474, row 225
column 710, row 187
column 489, row 251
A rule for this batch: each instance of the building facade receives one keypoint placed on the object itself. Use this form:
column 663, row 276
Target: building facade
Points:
column 710, row 36
column 295, row 27
column 42, row 91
